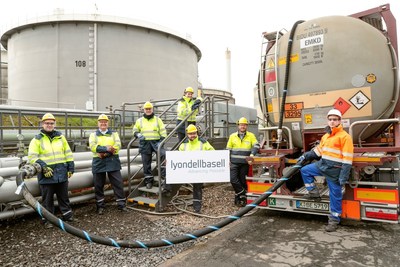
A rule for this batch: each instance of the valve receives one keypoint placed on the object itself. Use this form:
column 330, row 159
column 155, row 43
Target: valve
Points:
column 31, row 169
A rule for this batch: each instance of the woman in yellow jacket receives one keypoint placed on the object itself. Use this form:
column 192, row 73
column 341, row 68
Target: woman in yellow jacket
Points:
column 194, row 143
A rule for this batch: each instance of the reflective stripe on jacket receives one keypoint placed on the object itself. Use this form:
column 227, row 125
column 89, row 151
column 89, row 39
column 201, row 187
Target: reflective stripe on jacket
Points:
column 196, row 145
column 52, row 152
column 185, row 107
column 336, row 152
column 98, row 143
column 241, row 148
column 152, row 129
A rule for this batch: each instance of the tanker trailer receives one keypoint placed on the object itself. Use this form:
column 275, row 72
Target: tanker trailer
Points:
column 343, row 62
column 334, row 61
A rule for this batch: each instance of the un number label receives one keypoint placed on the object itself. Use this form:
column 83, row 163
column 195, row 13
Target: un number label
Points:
column 293, row 110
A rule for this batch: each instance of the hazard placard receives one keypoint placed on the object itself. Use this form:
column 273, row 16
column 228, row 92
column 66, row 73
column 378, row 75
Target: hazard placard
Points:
column 359, row 100
column 293, row 110
column 271, row 64
column 341, row 105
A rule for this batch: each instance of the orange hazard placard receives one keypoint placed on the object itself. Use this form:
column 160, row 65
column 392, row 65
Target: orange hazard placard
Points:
column 293, row 110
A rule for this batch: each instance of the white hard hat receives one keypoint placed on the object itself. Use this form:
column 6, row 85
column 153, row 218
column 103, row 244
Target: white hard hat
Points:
column 334, row 112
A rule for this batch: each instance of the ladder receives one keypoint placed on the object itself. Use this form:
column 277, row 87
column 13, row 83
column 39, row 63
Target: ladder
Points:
column 268, row 86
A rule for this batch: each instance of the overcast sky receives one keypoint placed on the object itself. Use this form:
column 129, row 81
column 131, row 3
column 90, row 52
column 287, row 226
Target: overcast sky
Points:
column 214, row 25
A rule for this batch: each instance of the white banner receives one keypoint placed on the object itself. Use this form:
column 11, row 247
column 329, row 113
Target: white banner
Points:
column 187, row 167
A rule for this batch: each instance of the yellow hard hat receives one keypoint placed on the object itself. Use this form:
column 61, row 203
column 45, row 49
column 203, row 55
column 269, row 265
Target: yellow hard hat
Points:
column 243, row 120
column 48, row 116
column 189, row 89
column 148, row 105
column 191, row 129
column 103, row 117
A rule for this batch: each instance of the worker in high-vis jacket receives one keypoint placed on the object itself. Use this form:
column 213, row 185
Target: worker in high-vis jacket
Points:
column 241, row 144
column 335, row 157
column 186, row 105
column 150, row 131
column 194, row 143
column 105, row 145
column 51, row 151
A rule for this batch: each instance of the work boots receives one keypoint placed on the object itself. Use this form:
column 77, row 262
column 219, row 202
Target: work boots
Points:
column 313, row 195
column 240, row 200
column 332, row 225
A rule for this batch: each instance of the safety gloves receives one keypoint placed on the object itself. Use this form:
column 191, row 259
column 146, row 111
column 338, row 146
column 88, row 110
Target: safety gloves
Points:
column 47, row 172
column 300, row 160
column 140, row 136
column 196, row 104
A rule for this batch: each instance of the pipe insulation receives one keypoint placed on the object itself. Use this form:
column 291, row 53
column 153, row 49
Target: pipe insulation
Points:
column 79, row 165
column 79, row 180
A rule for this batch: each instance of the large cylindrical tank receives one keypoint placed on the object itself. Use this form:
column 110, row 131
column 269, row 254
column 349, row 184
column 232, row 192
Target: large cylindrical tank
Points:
column 94, row 61
column 335, row 61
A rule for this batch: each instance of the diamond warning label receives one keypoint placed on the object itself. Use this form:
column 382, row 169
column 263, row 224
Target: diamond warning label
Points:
column 341, row 105
column 359, row 100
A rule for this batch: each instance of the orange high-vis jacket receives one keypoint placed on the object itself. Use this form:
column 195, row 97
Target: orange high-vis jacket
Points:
column 336, row 146
column 336, row 150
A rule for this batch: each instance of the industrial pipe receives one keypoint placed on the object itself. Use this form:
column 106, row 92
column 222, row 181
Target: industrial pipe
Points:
column 79, row 165
column 79, row 180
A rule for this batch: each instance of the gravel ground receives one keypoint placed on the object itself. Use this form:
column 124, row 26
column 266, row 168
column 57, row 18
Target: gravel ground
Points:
column 25, row 242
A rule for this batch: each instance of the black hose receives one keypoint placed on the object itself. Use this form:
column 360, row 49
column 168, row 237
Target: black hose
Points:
column 145, row 244
column 287, row 71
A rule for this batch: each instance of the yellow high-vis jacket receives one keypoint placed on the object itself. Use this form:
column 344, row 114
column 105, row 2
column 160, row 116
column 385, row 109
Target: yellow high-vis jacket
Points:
column 241, row 148
column 98, row 143
column 185, row 107
column 197, row 144
column 51, row 150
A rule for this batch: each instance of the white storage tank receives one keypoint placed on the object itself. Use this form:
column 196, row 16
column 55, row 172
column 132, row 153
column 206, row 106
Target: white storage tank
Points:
column 92, row 62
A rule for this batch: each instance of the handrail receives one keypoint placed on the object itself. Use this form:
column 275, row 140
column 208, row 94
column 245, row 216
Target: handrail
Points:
column 138, row 104
column 168, row 137
column 397, row 119
column 67, row 129
column 209, row 113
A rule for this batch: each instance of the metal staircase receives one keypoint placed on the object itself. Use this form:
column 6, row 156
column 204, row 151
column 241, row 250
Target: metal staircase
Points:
column 140, row 196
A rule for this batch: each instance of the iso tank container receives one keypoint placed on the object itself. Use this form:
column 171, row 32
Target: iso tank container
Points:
column 93, row 61
column 335, row 61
